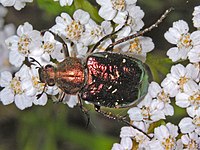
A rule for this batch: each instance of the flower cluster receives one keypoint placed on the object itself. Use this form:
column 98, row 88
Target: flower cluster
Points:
column 181, row 84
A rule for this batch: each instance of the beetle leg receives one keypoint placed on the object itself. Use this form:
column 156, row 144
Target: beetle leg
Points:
column 84, row 110
column 61, row 96
column 119, row 118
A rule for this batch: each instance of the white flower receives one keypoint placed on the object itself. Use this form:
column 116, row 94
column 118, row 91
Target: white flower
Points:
column 136, row 135
column 13, row 89
column 165, row 137
column 114, row 9
column 65, row 2
column 70, row 100
column 184, row 41
column 188, row 124
column 134, row 21
column 190, row 96
column 93, row 32
column 125, row 144
column 18, row 4
column 139, row 47
column 69, row 28
column 22, row 44
column 6, row 31
column 196, row 18
column 160, row 94
column 50, row 47
column 148, row 111
column 178, row 77
column 190, row 141
column 34, row 87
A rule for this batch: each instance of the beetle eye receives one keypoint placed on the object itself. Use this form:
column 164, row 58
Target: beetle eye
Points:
column 51, row 82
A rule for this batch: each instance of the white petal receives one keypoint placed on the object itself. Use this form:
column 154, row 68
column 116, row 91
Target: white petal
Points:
column 181, row 26
column 23, row 101
column 6, row 96
column 126, row 143
column 135, row 114
column 41, row 101
column 154, row 89
column 5, row 78
column 161, row 132
column 107, row 12
column 82, row 16
column 182, row 100
column 186, row 125
column 15, row 58
column 8, row 2
column 173, row 54
column 195, row 36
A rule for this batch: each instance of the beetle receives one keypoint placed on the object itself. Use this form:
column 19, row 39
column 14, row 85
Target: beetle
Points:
column 106, row 78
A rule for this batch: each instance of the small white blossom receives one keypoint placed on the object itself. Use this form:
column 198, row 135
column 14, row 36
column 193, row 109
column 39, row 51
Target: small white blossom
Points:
column 18, row 4
column 125, row 144
column 160, row 94
column 50, row 47
column 93, row 32
column 65, row 2
column 114, row 9
column 185, row 42
column 71, row 100
column 133, row 23
column 139, row 47
column 69, row 28
column 196, row 18
column 165, row 137
column 188, row 124
column 21, row 45
column 190, row 96
column 178, row 77
column 148, row 111
column 189, row 141
column 14, row 90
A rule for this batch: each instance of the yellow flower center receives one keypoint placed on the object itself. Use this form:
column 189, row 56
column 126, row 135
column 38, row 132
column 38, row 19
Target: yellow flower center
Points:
column 15, row 85
column 36, row 84
column 74, row 30
column 135, row 46
column 119, row 4
column 182, row 81
column 195, row 99
column 23, row 44
column 196, row 121
column 162, row 96
column 191, row 145
column 48, row 47
column 185, row 41
column 146, row 113
column 169, row 143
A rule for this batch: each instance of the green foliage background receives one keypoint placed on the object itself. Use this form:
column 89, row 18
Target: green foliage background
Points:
column 57, row 127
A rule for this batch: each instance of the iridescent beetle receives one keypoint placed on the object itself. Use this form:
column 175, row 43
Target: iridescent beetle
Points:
column 104, row 78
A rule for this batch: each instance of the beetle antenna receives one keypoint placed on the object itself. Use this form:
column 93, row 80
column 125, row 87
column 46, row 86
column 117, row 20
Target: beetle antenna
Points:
column 34, row 60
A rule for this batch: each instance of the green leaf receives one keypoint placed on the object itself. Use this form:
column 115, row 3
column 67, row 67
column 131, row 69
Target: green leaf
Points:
column 54, row 8
column 159, row 65
column 85, row 5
